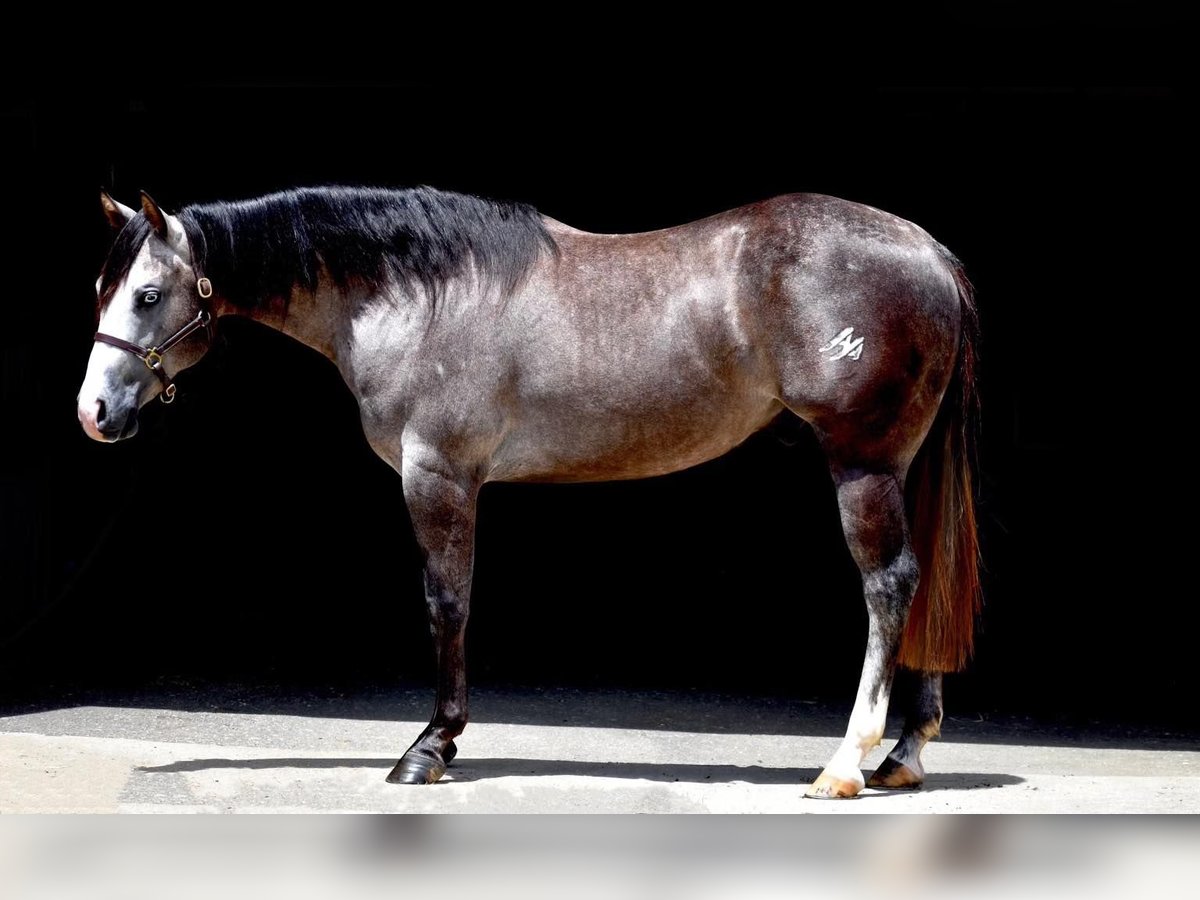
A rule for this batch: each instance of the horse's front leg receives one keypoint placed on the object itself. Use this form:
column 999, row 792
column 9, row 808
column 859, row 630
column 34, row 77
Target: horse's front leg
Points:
column 442, row 506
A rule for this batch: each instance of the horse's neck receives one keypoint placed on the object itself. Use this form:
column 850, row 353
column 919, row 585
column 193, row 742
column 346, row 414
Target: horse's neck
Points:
column 313, row 318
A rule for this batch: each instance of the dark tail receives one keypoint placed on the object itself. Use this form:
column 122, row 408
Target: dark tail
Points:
column 941, row 508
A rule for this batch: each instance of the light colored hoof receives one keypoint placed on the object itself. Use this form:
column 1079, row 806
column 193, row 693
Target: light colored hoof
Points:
column 896, row 776
column 830, row 787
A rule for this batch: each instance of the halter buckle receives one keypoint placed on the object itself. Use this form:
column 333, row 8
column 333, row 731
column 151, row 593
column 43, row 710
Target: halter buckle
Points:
column 152, row 359
column 204, row 287
column 168, row 394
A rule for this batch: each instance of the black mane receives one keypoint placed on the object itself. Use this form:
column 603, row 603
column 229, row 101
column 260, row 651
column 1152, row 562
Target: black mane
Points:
column 256, row 250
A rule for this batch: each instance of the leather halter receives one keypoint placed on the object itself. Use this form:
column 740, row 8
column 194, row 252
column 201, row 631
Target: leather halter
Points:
column 153, row 356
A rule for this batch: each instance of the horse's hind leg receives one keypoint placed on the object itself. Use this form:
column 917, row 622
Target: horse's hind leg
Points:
column 873, row 519
column 922, row 721
column 442, row 509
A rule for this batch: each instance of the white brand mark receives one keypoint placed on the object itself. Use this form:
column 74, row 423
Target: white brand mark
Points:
column 844, row 346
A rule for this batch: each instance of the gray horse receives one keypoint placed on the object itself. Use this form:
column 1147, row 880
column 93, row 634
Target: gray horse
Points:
column 485, row 342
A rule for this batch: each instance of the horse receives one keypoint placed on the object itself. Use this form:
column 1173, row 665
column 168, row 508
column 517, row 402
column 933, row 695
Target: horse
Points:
column 486, row 342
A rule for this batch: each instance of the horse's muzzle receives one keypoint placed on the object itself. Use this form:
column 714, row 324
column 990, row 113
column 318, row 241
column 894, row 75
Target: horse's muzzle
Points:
column 100, row 424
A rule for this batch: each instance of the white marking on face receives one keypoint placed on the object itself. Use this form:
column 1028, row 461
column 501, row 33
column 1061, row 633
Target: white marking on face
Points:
column 116, row 381
column 844, row 345
column 119, row 319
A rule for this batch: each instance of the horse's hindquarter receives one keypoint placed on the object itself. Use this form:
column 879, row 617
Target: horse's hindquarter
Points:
column 860, row 314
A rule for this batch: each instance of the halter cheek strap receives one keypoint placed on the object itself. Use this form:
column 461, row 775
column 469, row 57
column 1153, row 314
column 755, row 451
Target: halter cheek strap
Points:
column 153, row 356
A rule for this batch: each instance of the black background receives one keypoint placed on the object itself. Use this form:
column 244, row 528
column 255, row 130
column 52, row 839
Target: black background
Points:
column 248, row 531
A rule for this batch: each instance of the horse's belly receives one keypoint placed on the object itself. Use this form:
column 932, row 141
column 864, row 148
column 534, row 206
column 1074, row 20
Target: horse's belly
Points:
column 638, row 441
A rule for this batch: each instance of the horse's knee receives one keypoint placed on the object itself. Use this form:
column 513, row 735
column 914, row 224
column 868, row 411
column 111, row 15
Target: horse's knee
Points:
column 448, row 611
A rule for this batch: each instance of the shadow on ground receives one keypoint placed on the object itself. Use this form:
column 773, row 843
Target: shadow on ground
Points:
column 501, row 767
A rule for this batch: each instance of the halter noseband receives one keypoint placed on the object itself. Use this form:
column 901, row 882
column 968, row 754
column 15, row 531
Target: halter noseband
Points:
column 152, row 356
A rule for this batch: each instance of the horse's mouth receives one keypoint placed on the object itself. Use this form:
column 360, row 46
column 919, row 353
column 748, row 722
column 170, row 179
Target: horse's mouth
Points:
column 127, row 430
column 131, row 426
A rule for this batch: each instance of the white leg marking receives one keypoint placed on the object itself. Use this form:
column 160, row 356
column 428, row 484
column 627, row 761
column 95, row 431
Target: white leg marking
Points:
column 863, row 734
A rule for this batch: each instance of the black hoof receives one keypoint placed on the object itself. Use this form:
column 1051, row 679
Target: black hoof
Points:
column 419, row 767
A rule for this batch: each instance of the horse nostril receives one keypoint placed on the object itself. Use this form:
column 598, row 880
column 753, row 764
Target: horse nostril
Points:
column 101, row 414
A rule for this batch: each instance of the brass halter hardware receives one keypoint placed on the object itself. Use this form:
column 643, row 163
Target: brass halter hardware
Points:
column 153, row 356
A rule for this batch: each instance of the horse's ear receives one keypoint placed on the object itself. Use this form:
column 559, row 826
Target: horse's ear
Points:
column 116, row 213
column 165, row 226
column 156, row 217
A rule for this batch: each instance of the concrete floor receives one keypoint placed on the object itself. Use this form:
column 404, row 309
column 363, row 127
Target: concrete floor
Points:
column 226, row 749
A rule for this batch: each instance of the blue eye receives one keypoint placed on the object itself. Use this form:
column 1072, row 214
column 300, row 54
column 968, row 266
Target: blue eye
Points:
column 149, row 297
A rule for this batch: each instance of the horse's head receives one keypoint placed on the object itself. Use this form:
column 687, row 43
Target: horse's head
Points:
column 151, row 300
